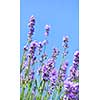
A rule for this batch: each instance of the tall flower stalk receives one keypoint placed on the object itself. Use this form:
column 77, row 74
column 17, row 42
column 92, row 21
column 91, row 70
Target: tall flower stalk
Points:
column 31, row 25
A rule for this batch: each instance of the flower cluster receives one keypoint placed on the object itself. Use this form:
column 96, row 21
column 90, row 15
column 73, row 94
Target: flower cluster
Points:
column 71, row 84
column 55, row 53
column 62, row 71
column 47, row 68
column 31, row 28
column 52, row 82
column 47, row 29
column 74, row 70
column 65, row 45
column 31, row 75
column 71, row 90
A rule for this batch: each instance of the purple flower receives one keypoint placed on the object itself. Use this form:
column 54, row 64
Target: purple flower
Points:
column 62, row 72
column 71, row 96
column 31, row 52
column 25, row 47
column 25, row 64
column 33, row 60
column 64, row 66
column 76, row 54
column 31, row 75
column 31, row 28
column 53, row 76
column 76, row 58
column 74, row 70
column 74, row 73
column 65, row 39
column 65, row 42
column 53, row 79
column 65, row 45
column 33, row 46
column 55, row 53
column 47, row 69
column 67, row 85
column 30, row 33
column 45, row 73
column 75, row 88
column 31, row 21
column 51, row 64
column 71, row 90
column 40, row 46
column 47, row 28
column 65, row 97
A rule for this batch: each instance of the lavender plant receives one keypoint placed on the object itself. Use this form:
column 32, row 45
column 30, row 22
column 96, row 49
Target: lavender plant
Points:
column 48, row 81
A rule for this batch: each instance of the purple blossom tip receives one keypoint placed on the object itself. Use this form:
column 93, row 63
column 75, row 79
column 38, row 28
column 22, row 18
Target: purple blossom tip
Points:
column 26, row 47
column 32, row 18
column 34, row 44
column 65, row 39
column 47, row 27
column 76, row 53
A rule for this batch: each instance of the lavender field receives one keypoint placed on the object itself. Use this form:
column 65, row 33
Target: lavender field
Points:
column 41, row 77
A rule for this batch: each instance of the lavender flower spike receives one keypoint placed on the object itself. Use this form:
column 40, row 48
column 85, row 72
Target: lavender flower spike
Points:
column 53, row 79
column 65, row 42
column 62, row 72
column 71, row 90
column 31, row 75
column 31, row 28
column 45, row 73
column 65, row 39
column 47, row 28
column 76, row 58
column 55, row 53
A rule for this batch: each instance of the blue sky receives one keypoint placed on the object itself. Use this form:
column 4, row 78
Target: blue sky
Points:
column 62, row 15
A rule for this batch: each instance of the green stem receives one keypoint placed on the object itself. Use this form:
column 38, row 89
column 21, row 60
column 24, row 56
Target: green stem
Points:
column 54, row 94
column 29, row 92
column 28, row 96
column 47, row 96
column 23, row 58
column 27, row 70
column 31, row 97
column 22, row 94
column 41, row 89
column 59, row 89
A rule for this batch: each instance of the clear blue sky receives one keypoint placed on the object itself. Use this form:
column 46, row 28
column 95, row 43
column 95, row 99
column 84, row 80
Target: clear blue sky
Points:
column 62, row 15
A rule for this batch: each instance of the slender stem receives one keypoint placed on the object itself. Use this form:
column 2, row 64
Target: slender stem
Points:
column 48, row 96
column 23, row 58
column 27, row 70
column 45, row 45
column 54, row 94
column 59, row 91
column 42, row 89
column 22, row 93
